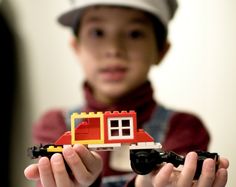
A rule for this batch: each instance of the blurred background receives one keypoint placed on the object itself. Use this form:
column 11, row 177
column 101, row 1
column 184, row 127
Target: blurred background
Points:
column 197, row 75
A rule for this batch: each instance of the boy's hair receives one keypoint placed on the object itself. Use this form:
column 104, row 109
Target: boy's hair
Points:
column 160, row 12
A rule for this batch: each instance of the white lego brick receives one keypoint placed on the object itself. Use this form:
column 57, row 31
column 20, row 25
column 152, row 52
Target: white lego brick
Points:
column 146, row 145
column 104, row 147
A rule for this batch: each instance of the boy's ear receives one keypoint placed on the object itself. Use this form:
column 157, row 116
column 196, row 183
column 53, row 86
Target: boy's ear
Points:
column 164, row 51
column 74, row 44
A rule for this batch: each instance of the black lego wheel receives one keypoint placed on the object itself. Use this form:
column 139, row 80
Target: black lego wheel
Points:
column 143, row 161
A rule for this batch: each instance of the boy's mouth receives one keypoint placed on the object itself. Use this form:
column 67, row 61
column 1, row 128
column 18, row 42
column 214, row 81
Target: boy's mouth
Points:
column 113, row 73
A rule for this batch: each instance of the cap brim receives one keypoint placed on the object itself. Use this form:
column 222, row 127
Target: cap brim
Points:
column 70, row 17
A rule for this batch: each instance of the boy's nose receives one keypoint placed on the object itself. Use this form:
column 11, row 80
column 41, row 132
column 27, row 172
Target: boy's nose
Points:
column 114, row 47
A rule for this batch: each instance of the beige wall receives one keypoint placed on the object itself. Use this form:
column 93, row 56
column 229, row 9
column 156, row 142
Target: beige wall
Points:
column 197, row 75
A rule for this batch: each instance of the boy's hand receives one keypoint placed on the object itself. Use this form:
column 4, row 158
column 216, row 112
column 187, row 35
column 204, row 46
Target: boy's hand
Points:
column 85, row 166
column 167, row 176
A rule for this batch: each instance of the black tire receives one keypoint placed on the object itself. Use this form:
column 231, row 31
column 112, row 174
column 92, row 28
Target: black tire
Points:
column 143, row 161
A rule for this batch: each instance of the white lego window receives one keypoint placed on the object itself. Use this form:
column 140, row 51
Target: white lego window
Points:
column 120, row 128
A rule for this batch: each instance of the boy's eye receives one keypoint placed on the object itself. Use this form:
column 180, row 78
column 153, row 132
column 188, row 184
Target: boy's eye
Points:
column 136, row 34
column 97, row 33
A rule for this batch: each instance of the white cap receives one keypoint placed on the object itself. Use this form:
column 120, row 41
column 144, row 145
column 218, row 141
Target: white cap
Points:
column 164, row 10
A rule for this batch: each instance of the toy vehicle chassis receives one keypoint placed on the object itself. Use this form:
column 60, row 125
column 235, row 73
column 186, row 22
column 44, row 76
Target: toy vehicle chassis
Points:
column 143, row 161
column 146, row 160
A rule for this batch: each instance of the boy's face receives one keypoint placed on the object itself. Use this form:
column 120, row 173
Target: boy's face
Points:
column 116, row 47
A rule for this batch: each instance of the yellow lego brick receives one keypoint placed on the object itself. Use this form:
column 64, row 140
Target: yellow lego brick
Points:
column 53, row 148
column 86, row 142
column 84, row 115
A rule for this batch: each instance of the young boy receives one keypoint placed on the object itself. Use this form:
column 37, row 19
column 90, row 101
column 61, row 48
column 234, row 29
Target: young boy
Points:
column 117, row 42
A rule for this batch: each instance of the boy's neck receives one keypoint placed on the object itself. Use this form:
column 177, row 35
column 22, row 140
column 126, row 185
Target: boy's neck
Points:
column 141, row 100
column 105, row 100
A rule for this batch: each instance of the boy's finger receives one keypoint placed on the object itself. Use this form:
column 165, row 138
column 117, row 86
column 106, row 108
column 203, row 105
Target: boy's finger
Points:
column 188, row 172
column 45, row 172
column 80, row 172
column 32, row 172
column 59, row 171
column 208, row 173
column 163, row 176
column 89, row 157
column 221, row 178
column 224, row 163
